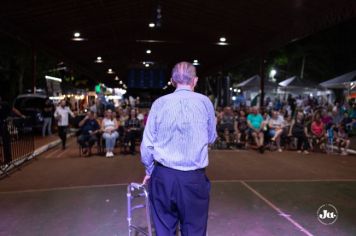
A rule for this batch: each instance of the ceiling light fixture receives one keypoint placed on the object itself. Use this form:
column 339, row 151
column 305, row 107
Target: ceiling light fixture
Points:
column 110, row 71
column 99, row 60
column 116, row 78
column 222, row 39
column 76, row 37
column 222, row 43
column 147, row 65
column 148, row 51
column 151, row 25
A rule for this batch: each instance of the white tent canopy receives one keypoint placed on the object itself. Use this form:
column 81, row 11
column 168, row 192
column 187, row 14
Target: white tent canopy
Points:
column 254, row 82
column 340, row 82
column 295, row 82
column 286, row 82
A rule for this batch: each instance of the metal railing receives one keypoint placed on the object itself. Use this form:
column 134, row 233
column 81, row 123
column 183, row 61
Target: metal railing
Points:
column 16, row 143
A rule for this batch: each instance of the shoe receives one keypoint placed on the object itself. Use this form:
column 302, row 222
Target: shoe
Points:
column 344, row 153
column 299, row 151
column 306, row 152
column 112, row 154
column 279, row 150
column 85, row 151
column 107, row 154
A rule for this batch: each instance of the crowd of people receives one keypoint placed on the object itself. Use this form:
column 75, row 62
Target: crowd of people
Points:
column 301, row 124
column 121, row 126
column 295, row 124
column 108, row 127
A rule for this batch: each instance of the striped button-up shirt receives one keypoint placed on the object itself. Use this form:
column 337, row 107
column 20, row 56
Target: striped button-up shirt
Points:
column 179, row 128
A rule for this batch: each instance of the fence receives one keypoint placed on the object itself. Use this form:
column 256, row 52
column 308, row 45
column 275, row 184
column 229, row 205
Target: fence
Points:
column 16, row 143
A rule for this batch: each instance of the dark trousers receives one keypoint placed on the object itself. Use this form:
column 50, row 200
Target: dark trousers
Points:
column 302, row 141
column 87, row 140
column 62, row 133
column 6, row 141
column 179, row 196
column 131, row 137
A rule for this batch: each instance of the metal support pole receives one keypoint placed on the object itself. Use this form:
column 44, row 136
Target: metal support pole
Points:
column 227, row 91
column 262, row 83
column 34, row 68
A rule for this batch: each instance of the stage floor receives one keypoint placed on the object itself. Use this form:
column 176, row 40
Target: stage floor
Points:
column 61, row 193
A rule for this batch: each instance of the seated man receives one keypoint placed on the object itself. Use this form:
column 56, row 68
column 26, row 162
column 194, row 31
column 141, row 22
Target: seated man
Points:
column 347, row 122
column 227, row 125
column 342, row 139
column 89, row 128
column 255, row 124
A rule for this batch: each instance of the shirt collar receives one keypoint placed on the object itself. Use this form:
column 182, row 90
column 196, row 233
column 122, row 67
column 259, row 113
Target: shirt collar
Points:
column 183, row 88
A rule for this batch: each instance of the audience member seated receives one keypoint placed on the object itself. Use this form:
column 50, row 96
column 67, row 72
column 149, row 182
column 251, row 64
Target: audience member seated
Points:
column 133, row 131
column 275, row 125
column 89, row 129
column 326, row 117
column 227, row 125
column 109, row 128
column 242, row 127
column 255, row 124
column 347, row 122
column 299, row 130
column 318, row 131
column 342, row 139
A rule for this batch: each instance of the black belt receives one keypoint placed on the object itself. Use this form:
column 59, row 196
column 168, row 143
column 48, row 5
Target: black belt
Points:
column 161, row 165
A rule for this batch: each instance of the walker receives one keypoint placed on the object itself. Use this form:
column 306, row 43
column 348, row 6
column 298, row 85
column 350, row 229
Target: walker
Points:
column 134, row 191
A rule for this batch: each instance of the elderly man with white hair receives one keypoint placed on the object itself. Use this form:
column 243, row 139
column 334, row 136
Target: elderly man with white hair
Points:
column 174, row 152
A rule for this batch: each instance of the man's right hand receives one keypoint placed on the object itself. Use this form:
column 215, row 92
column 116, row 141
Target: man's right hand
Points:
column 146, row 179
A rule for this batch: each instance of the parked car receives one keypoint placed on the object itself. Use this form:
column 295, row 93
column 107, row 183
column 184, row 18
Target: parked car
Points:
column 32, row 105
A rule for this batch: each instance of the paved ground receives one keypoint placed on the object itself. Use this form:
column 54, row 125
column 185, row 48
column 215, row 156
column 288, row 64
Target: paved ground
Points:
column 61, row 193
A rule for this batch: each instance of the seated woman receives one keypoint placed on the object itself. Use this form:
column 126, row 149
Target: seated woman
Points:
column 342, row 139
column 299, row 130
column 318, row 131
column 242, row 127
column 109, row 127
column 275, row 125
column 133, row 130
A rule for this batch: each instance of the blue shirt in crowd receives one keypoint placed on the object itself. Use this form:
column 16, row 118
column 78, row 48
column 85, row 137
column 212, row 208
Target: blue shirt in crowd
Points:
column 89, row 125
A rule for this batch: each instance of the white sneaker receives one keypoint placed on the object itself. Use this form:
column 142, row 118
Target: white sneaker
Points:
column 111, row 154
column 107, row 154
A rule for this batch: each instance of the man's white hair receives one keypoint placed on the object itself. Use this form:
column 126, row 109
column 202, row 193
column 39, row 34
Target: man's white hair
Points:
column 183, row 73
